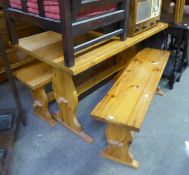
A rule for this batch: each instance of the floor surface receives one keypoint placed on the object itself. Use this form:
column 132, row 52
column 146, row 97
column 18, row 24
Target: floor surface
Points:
column 159, row 146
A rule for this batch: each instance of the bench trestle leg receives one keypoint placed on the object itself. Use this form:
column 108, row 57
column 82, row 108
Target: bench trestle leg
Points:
column 40, row 105
column 119, row 139
column 67, row 100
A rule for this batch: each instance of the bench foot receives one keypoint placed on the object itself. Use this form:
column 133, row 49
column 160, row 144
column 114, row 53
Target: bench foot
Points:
column 159, row 92
column 80, row 133
column 119, row 139
column 40, row 106
column 51, row 122
column 133, row 164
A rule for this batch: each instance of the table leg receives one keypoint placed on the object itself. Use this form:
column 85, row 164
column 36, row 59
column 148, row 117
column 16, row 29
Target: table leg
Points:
column 67, row 98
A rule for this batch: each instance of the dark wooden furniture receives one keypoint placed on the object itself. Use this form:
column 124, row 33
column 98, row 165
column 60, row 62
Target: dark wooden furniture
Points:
column 17, row 58
column 143, row 15
column 175, row 39
column 177, row 43
column 70, row 25
column 173, row 11
column 8, row 118
column 11, row 81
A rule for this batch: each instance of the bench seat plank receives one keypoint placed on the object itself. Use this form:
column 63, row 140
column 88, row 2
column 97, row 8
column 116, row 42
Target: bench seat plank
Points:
column 128, row 100
column 35, row 76
column 138, row 114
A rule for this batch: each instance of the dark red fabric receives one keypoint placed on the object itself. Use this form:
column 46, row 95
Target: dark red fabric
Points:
column 52, row 8
column 16, row 4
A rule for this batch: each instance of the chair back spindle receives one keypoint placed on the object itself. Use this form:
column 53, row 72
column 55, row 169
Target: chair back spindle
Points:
column 41, row 8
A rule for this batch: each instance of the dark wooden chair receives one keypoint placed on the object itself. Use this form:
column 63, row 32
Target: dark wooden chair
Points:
column 70, row 25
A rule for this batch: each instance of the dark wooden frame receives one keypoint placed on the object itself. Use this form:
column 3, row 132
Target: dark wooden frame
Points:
column 135, row 28
column 12, row 82
column 68, row 25
column 177, row 15
column 7, row 137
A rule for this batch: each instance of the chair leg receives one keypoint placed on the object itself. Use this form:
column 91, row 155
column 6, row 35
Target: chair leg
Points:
column 119, row 139
column 40, row 106
column 11, row 26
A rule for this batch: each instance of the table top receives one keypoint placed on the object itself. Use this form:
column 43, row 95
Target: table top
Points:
column 47, row 47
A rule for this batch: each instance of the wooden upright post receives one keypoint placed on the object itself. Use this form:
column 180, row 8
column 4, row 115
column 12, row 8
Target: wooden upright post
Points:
column 67, row 99
column 67, row 32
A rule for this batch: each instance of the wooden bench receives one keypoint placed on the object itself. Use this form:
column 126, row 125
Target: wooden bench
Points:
column 36, row 77
column 125, row 105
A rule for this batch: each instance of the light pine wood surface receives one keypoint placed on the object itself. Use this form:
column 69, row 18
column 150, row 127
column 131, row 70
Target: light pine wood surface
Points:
column 36, row 77
column 125, row 105
column 41, row 105
column 92, row 66
column 67, row 99
column 119, row 139
column 129, row 98
column 47, row 47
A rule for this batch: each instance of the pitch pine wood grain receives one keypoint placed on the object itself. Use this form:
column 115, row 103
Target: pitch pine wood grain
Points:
column 119, row 140
column 47, row 47
column 128, row 100
column 41, row 105
column 159, row 60
column 67, row 99
column 108, row 69
column 35, row 76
